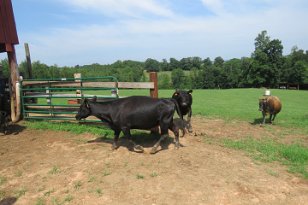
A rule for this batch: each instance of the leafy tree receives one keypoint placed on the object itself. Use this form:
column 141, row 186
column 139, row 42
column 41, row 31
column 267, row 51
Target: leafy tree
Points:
column 207, row 62
column 196, row 78
column 219, row 62
column 151, row 65
column 164, row 66
column 164, row 81
column 178, row 78
column 5, row 67
column 232, row 71
column 268, row 61
column 173, row 64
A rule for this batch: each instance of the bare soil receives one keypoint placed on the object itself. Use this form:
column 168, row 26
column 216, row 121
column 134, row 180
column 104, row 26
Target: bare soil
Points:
column 50, row 167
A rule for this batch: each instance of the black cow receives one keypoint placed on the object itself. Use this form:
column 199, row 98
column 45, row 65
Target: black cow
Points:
column 184, row 99
column 136, row 112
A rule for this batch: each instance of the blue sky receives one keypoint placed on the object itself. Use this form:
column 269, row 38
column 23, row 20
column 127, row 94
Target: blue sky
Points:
column 78, row 32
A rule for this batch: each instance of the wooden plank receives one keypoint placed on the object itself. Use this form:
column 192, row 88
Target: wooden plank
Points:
column 136, row 85
column 145, row 85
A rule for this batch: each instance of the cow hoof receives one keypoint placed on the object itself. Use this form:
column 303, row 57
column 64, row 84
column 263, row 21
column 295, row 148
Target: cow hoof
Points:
column 114, row 147
column 138, row 148
column 153, row 150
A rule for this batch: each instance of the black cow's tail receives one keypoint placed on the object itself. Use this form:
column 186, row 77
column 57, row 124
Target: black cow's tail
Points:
column 177, row 107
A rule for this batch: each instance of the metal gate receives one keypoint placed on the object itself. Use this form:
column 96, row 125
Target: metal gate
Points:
column 59, row 99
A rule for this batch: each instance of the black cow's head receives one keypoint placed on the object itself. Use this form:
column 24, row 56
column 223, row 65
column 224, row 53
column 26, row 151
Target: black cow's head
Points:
column 183, row 98
column 84, row 110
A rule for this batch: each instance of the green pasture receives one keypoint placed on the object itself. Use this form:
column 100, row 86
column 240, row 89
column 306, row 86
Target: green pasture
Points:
column 234, row 104
column 230, row 105
column 243, row 104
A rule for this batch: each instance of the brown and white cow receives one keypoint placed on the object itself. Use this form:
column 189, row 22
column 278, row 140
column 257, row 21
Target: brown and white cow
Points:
column 269, row 105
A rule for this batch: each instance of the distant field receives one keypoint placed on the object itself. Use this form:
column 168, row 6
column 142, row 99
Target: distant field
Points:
column 242, row 104
column 239, row 104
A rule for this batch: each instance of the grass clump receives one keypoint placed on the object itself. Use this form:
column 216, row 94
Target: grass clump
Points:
column 3, row 180
column 69, row 127
column 54, row 170
column 295, row 156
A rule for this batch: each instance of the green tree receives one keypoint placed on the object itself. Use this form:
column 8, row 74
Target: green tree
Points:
column 164, row 81
column 178, row 78
column 219, row 62
column 173, row 64
column 268, row 61
column 151, row 65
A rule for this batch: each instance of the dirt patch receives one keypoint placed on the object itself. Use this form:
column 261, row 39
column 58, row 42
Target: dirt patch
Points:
column 48, row 167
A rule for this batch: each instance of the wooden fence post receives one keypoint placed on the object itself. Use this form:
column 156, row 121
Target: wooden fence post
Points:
column 28, row 58
column 153, row 78
column 154, row 94
column 14, row 92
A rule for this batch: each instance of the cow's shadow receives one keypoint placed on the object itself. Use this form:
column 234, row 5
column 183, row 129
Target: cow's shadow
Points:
column 12, row 129
column 146, row 140
column 257, row 121
column 8, row 201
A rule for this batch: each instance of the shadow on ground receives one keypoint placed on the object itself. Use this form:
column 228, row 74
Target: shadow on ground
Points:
column 146, row 140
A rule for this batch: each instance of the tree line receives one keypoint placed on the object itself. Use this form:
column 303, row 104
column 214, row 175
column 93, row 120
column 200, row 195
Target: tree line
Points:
column 266, row 67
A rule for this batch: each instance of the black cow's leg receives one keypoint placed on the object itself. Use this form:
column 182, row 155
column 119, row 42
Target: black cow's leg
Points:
column 154, row 148
column 116, row 139
column 274, row 116
column 263, row 120
column 176, row 134
column 137, row 148
column 189, row 127
column 164, row 134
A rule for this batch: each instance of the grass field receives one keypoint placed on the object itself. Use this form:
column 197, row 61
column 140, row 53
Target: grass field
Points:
column 242, row 104
column 238, row 104
column 235, row 105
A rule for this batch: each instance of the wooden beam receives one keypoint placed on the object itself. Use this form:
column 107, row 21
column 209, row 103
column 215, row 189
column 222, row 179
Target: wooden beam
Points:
column 154, row 90
column 136, row 85
column 28, row 58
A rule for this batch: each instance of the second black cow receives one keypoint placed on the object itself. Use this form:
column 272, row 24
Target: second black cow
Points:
column 184, row 100
column 135, row 112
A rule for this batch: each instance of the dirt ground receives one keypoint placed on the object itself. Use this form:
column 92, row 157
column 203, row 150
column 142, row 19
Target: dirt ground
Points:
column 50, row 167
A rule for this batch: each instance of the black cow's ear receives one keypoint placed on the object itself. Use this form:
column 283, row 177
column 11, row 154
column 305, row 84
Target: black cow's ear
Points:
column 190, row 92
column 176, row 93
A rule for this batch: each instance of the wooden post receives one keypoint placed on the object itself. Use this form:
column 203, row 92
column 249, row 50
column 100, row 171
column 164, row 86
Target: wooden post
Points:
column 78, row 92
column 153, row 78
column 154, row 94
column 14, row 78
column 29, row 65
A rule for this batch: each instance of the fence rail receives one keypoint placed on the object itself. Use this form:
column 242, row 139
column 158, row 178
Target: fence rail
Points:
column 59, row 99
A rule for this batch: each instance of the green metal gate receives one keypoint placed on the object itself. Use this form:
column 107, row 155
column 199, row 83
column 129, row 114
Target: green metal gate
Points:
column 59, row 99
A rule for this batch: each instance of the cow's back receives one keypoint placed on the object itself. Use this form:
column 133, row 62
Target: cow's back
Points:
column 274, row 104
column 141, row 112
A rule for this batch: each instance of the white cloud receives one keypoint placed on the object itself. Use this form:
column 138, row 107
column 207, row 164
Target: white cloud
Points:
column 131, row 8
column 215, row 6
